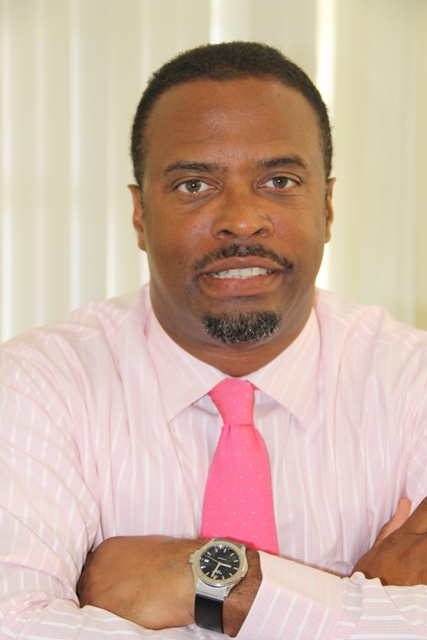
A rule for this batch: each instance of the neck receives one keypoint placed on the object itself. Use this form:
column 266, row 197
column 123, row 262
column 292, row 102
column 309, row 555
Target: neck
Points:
column 238, row 359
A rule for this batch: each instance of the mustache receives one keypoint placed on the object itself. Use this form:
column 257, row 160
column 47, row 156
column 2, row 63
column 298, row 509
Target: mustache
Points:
column 243, row 251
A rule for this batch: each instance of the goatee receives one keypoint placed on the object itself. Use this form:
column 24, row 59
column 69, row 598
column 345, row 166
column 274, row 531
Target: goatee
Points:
column 241, row 327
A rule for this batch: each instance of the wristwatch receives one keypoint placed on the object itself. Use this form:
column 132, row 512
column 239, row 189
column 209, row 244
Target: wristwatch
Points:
column 217, row 567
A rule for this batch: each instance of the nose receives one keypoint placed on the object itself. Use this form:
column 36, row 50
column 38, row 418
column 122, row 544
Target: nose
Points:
column 241, row 214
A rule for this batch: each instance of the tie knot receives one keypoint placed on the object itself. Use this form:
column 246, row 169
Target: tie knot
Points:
column 234, row 400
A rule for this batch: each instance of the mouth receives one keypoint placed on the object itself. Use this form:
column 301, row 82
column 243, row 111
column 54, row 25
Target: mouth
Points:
column 240, row 274
column 236, row 257
column 248, row 273
column 231, row 281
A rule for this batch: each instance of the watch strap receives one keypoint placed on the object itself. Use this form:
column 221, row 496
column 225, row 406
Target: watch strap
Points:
column 208, row 613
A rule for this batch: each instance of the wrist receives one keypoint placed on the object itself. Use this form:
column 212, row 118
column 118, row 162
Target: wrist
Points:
column 241, row 598
column 218, row 567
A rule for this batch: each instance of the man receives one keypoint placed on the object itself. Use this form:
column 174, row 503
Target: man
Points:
column 108, row 424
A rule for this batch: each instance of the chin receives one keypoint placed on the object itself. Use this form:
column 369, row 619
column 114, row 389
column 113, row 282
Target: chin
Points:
column 241, row 327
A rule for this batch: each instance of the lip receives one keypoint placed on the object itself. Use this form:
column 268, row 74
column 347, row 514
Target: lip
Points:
column 232, row 288
column 241, row 263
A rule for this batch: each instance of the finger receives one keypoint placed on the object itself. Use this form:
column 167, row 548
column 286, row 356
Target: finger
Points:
column 399, row 518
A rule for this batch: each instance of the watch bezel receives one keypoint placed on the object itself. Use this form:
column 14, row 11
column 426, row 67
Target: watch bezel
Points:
column 239, row 549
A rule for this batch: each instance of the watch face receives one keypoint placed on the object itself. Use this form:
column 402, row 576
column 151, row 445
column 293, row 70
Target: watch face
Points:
column 219, row 562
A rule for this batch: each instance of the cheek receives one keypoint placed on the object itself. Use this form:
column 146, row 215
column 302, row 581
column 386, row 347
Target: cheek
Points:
column 174, row 244
column 302, row 235
column 315, row 246
column 295, row 231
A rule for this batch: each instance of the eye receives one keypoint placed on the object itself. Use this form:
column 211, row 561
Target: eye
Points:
column 193, row 186
column 279, row 182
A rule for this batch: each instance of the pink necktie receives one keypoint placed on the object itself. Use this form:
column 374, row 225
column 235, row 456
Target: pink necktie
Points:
column 238, row 503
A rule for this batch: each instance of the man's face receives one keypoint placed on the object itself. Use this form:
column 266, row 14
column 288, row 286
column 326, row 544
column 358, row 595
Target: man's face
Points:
column 235, row 207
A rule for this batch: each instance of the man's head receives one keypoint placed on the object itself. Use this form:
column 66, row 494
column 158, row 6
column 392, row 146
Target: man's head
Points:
column 227, row 61
column 233, row 209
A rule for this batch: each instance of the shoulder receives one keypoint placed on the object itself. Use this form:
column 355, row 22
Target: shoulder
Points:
column 364, row 325
column 89, row 339
column 364, row 343
column 94, row 319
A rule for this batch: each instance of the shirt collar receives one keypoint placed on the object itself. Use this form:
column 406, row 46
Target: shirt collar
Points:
column 291, row 379
column 183, row 379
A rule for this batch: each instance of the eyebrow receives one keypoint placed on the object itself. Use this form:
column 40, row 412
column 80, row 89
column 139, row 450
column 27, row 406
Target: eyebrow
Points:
column 194, row 166
column 279, row 161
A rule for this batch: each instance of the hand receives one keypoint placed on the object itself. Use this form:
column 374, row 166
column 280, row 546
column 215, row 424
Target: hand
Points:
column 148, row 580
column 399, row 555
column 145, row 579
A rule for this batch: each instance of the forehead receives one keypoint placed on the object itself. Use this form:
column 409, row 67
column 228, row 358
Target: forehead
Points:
column 234, row 118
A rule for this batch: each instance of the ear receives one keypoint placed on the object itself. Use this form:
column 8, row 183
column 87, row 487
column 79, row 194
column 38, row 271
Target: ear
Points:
column 138, row 217
column 329, row 211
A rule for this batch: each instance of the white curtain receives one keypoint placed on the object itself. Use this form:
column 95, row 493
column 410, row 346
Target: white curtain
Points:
column 378, row 254
column 71, row 74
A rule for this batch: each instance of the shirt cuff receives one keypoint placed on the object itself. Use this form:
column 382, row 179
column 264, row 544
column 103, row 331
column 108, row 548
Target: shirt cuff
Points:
column 293, row 599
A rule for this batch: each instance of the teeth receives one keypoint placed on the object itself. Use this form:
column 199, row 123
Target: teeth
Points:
column 241, row 273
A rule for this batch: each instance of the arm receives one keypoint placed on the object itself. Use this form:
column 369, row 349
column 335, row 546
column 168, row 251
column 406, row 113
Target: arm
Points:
column 49, row 517
column 50, row 521
column 135, row 576
column 322, row 606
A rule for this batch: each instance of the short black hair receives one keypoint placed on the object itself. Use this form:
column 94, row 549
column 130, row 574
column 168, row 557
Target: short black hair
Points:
column 227, row 61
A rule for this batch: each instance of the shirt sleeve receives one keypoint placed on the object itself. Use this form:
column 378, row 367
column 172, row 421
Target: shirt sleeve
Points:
column 296, row 601
column 49, row 516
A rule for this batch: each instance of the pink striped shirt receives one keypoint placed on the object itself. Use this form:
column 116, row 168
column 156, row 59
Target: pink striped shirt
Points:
column 106, row 429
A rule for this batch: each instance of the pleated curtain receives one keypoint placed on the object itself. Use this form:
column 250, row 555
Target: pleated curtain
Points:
column 71, row 74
